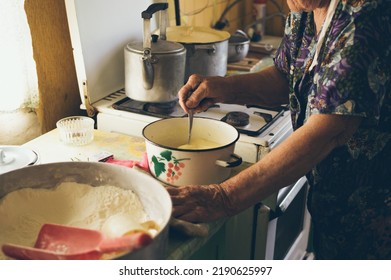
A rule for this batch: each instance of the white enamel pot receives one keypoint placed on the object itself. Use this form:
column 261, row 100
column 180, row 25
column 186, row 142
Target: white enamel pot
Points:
column 177, row 166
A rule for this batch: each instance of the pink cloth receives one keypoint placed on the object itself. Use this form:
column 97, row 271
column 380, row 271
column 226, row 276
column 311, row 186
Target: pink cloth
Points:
column 143, row 164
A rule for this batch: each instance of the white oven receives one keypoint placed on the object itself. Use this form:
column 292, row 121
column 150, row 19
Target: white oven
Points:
column 277, row 227
column 288, row 226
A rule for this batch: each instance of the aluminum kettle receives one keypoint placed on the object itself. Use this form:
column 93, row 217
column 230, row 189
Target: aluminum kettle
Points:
column 154, row 68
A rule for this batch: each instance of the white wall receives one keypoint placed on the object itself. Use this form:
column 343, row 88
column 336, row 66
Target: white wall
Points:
column 18, row 127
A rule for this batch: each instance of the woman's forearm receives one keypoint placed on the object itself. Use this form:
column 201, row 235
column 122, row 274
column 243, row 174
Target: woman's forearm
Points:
column 290, row 160
column 267, row 88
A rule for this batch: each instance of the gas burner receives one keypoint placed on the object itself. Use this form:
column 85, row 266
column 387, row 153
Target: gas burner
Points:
column 267, row 117
column 160, row 110
column 166, row 108
column 237, row 118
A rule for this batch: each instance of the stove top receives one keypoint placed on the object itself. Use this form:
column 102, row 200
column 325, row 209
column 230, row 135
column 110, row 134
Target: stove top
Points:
column 145, row 108
column 248, row 119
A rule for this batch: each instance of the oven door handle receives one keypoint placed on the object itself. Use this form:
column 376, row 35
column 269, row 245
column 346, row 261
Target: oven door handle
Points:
column 288, row 198
column 292, row 194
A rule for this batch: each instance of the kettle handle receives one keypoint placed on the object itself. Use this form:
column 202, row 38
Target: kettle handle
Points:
column 147, row 68
column 147, row 15
column 153, row 8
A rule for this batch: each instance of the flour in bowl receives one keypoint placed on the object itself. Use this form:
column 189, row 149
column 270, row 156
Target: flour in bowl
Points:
column 24, row 211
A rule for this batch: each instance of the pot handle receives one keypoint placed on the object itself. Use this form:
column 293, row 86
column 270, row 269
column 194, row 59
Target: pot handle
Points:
column 236, row 162
column 211, row 48
column 239, row 49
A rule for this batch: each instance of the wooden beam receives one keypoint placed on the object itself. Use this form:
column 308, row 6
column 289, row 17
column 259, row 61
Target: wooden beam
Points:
column 52, row 50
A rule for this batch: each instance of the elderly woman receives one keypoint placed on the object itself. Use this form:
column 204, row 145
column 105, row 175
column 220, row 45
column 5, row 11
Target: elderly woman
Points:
column 333, row 68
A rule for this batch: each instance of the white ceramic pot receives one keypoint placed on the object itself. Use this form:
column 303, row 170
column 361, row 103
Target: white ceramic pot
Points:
column 178, row 166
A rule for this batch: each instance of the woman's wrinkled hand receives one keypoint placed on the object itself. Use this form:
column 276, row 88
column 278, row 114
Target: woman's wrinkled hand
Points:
column 198, row 204
column 199, row 93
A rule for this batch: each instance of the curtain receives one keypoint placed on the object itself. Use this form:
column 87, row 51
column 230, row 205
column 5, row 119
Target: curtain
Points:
column 18, row 76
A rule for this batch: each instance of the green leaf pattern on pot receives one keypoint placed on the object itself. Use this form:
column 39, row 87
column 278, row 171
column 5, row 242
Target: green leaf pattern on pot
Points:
column 167, row 164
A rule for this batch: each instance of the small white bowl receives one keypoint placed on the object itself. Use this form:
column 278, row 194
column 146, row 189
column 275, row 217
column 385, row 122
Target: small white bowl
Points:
column 76, row 130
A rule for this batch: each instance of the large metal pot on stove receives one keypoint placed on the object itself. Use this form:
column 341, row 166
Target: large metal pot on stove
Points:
column 206, row 49
column 154, row 68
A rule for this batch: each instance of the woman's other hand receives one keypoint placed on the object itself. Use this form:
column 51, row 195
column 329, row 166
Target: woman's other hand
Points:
column 200, row 203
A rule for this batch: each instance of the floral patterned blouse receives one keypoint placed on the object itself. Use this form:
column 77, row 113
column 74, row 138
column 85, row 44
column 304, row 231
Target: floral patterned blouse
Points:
column 350, row 193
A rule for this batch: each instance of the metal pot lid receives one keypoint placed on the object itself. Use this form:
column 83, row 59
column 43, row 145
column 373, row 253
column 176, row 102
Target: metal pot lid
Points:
column 157, row 47
column 15, row 157
column 195, row 35
column 239, row 37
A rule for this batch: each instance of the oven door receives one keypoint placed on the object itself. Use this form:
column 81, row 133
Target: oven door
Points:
column 284, row 233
